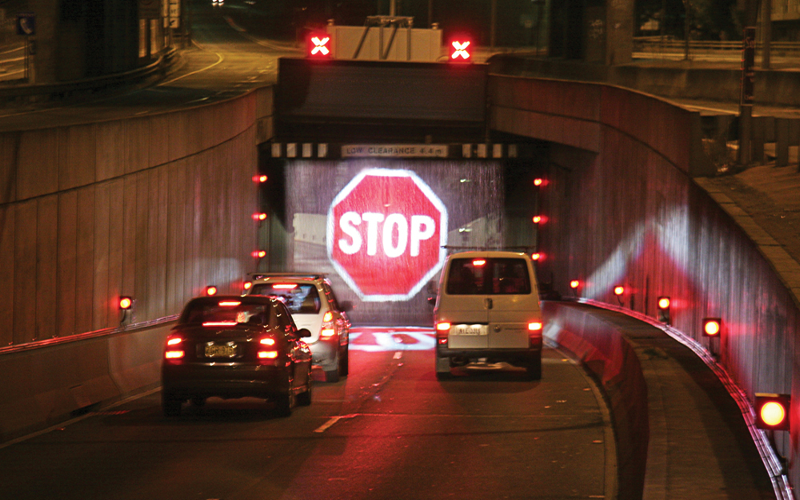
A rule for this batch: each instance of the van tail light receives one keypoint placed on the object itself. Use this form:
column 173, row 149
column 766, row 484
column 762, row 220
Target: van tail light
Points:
column 267, row 353
column 442, row 332
column 535, row 332
column 174, row 352
column 327, row 333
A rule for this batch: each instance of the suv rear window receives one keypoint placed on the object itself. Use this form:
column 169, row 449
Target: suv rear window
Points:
column 299, row 298
column 480, row 276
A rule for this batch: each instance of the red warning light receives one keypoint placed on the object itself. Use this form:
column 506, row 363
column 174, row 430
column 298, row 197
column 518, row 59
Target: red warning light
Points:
column 259, row 254
column 460, row 51
column 125, row 303
column 259, row 216
column 538, row 182
column 259, row 179
column 574, row 284
column 211, row 290
column 772, row 411
column 712, row 326
column 536, row 256
column 318, row 46
column 619, row 290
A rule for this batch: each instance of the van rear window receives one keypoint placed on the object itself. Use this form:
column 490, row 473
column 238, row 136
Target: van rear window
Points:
column 478, row 276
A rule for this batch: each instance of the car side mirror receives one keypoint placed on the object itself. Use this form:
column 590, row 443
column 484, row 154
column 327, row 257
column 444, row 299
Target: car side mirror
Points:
column 432, row 301
column 304, row 333
column 346, row 305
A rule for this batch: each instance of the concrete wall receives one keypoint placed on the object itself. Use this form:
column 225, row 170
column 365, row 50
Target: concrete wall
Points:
column 623, row 209
column 156, row 208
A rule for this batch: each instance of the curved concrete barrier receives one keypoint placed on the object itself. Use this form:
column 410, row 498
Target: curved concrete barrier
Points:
column 48, row 382
column 607, row 354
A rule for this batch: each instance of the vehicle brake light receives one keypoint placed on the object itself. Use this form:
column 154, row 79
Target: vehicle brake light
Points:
column 229, row 303
column 327, row 332
column 173, row 352
column 442, row 332
column 247, row 285
column 267, row 354
column 219, row 323
column 478, row 262
column 328, row 316
column 267, row 341
column 285, row 286
column 535, row 326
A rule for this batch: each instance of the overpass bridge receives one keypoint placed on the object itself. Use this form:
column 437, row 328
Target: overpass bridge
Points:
column 150, row 205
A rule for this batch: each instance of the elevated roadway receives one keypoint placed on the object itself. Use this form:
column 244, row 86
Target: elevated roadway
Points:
column 217, row 74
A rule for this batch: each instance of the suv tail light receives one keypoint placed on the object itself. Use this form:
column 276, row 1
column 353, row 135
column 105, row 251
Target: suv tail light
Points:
column 174, row 352
column 327, row 330
column 442, row 332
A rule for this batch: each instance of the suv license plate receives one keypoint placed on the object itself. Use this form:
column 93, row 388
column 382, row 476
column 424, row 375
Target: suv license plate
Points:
column 471, row 330
column 220, row 351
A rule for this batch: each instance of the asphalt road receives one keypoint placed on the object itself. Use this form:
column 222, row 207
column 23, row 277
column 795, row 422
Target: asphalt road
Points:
column 388, row 431
column 225, row 60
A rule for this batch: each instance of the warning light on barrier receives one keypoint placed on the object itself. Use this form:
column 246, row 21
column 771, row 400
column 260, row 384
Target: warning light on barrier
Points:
column 574, row 284
column 536, row 256
column 259, row 254
column 712, row 327
column 772, row 411
column 260, row 179
column 619, row 290
column 125, row 303
column 460, row 51
column 538, row 182
column 211, row 290
column 259, row 216
column 319, row 46
column 663, row 309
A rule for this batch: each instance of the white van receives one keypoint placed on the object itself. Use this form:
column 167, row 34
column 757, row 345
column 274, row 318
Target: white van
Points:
column 487, row 309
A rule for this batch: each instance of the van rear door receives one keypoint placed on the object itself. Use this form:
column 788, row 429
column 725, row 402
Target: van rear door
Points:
column 464, row 304
column 513, row 301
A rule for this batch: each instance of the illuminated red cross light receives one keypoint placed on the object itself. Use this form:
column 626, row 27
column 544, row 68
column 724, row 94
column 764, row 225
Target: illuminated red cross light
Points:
column 459, row 51
column 319, row 46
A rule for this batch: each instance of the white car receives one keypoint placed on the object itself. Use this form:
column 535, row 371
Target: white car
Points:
column 313, row 305
column 488, row 309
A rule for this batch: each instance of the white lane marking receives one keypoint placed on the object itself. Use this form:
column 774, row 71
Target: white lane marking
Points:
column 327, row 425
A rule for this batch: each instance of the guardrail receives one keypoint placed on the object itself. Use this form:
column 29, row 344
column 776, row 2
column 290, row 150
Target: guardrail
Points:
column 657, row 44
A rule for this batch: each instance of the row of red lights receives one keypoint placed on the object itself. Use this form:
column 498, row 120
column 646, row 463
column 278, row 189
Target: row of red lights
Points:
column 318, row 46
column 772, row 410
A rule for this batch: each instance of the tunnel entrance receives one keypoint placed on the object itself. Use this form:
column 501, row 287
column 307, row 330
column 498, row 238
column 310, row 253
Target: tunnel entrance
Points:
column 378, row 170
column 380, row 227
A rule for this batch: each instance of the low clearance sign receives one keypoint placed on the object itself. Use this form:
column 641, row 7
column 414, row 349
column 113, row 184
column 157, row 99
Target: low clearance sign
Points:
column 386, row 233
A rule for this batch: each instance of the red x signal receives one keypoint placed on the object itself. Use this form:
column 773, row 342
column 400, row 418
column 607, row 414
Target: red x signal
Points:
column 318, row 46
column 460, row 51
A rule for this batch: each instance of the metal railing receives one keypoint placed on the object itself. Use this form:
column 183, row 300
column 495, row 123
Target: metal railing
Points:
column 667, row 44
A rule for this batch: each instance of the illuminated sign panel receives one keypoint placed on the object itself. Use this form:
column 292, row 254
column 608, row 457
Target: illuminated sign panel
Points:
column 394, row 151
column 385, row 234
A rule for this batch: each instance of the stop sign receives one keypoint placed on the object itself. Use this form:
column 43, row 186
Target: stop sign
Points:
column 386, row 232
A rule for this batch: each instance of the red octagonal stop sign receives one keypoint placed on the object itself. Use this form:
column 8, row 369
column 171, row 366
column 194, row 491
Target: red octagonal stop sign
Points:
column 386, row 234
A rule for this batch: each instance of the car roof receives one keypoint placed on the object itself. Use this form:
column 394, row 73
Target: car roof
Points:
column 287, row 276
column 488, row 254
column 246, row 299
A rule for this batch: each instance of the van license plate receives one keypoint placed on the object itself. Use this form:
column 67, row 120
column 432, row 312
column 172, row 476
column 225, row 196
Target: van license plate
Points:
column 470, row 330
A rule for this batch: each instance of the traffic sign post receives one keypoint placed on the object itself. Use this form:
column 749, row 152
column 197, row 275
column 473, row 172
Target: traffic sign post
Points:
column 386, row 232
